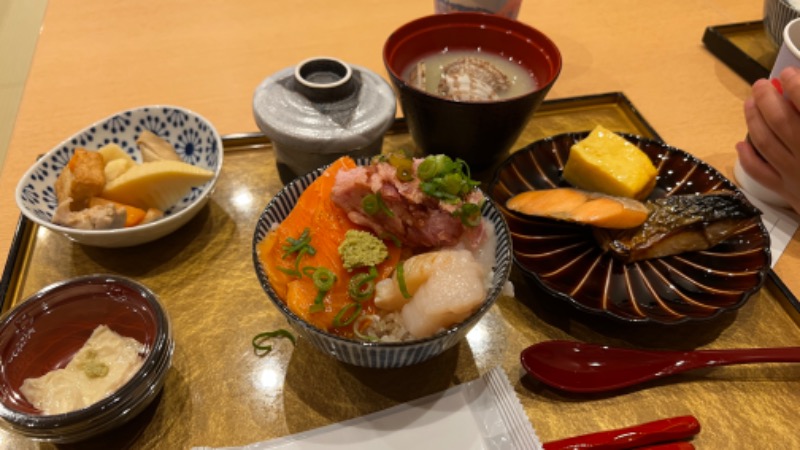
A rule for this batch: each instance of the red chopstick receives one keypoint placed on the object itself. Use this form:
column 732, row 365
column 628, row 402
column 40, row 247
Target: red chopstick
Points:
column 664, row 432
column 669, row 446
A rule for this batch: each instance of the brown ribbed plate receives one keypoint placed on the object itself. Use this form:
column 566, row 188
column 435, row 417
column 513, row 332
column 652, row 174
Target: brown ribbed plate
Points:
column 565, row 259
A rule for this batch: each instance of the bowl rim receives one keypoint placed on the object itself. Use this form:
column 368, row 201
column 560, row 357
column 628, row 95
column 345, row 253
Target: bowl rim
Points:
column 138, row 229
column 154, row 367
column 295, row 320
column 471, row 20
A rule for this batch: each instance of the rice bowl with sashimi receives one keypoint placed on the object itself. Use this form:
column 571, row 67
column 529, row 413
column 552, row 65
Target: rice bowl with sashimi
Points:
column 445, row 254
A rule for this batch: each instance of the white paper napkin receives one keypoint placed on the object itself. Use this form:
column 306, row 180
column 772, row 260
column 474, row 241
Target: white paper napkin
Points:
column 780, row 223
column 484, row 414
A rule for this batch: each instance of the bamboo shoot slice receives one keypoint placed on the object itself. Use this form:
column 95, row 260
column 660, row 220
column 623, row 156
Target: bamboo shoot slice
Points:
column 157, row 184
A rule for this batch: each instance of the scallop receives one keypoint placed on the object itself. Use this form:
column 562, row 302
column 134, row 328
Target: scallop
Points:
column 472, row 79
column 446, row 286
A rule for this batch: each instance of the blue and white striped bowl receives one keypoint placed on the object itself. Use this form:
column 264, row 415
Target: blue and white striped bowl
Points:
column 193, row 137
column 778, row 13
column 376, row 354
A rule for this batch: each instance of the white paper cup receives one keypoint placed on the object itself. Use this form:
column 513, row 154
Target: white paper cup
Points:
column 788, row 55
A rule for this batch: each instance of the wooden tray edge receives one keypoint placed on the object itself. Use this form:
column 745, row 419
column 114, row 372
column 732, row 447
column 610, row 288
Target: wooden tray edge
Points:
column 716, row 41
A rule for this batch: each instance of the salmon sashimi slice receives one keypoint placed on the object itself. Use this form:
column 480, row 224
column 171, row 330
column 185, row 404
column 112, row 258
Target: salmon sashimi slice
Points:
column 325, row 224
column 584, row 207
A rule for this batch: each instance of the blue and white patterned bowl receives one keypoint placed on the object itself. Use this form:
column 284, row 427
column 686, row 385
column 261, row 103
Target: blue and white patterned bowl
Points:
column 194, row 139
column 379, row 355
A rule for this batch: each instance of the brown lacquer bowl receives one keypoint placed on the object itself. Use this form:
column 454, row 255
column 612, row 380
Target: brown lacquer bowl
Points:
column 566, row 261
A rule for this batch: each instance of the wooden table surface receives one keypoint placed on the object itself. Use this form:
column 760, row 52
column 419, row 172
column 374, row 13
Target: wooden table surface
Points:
column 96, row 57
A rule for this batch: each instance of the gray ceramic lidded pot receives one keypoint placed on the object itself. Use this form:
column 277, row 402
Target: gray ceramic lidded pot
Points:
column 320, row 110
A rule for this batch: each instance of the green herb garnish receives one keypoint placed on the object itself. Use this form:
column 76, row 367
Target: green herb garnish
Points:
column 297, row 247
column 449, row 180
column 262, row 349
column 362, row 285
column 324, row 280
column 373, row 204
column 342, row 319
column 401, row 280
column 469, row 213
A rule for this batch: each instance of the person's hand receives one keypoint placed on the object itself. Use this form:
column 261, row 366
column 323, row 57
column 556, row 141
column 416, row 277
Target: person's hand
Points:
column 773, row 124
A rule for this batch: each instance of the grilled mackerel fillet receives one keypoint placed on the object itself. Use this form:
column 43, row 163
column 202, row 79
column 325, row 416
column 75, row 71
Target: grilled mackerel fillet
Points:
column 680, row 223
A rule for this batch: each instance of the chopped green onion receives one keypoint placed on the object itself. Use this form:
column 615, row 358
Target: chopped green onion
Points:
column 362, row 286
column 301, row 246
column 427, row 168
column 340, row 321
column 445, row 179
column 452, row 183
column 261, row 349
column 385, row 209
column 295, row 245
column 319, row 304
column 395, row 240
column 435, row 189
column 323, row 278
column 444, row 164
column 373, row 203
column 470, row 214
column 401, row 280
column 370, row 204
column 288, row 271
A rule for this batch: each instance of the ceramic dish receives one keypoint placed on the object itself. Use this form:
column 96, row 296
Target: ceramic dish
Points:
column 376, row 354
column 565, row 260
column 46, row 330
column 192, row 136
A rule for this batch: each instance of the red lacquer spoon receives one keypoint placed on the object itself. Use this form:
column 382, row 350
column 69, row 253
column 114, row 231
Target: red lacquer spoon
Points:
column 580, row 367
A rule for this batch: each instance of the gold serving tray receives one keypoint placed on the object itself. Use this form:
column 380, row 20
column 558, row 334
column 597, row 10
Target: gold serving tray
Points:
column 744, row 47
column 219, row 393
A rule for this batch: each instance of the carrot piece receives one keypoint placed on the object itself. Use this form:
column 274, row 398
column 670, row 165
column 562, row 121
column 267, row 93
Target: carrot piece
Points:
column 327, row 224
column 133, row 217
